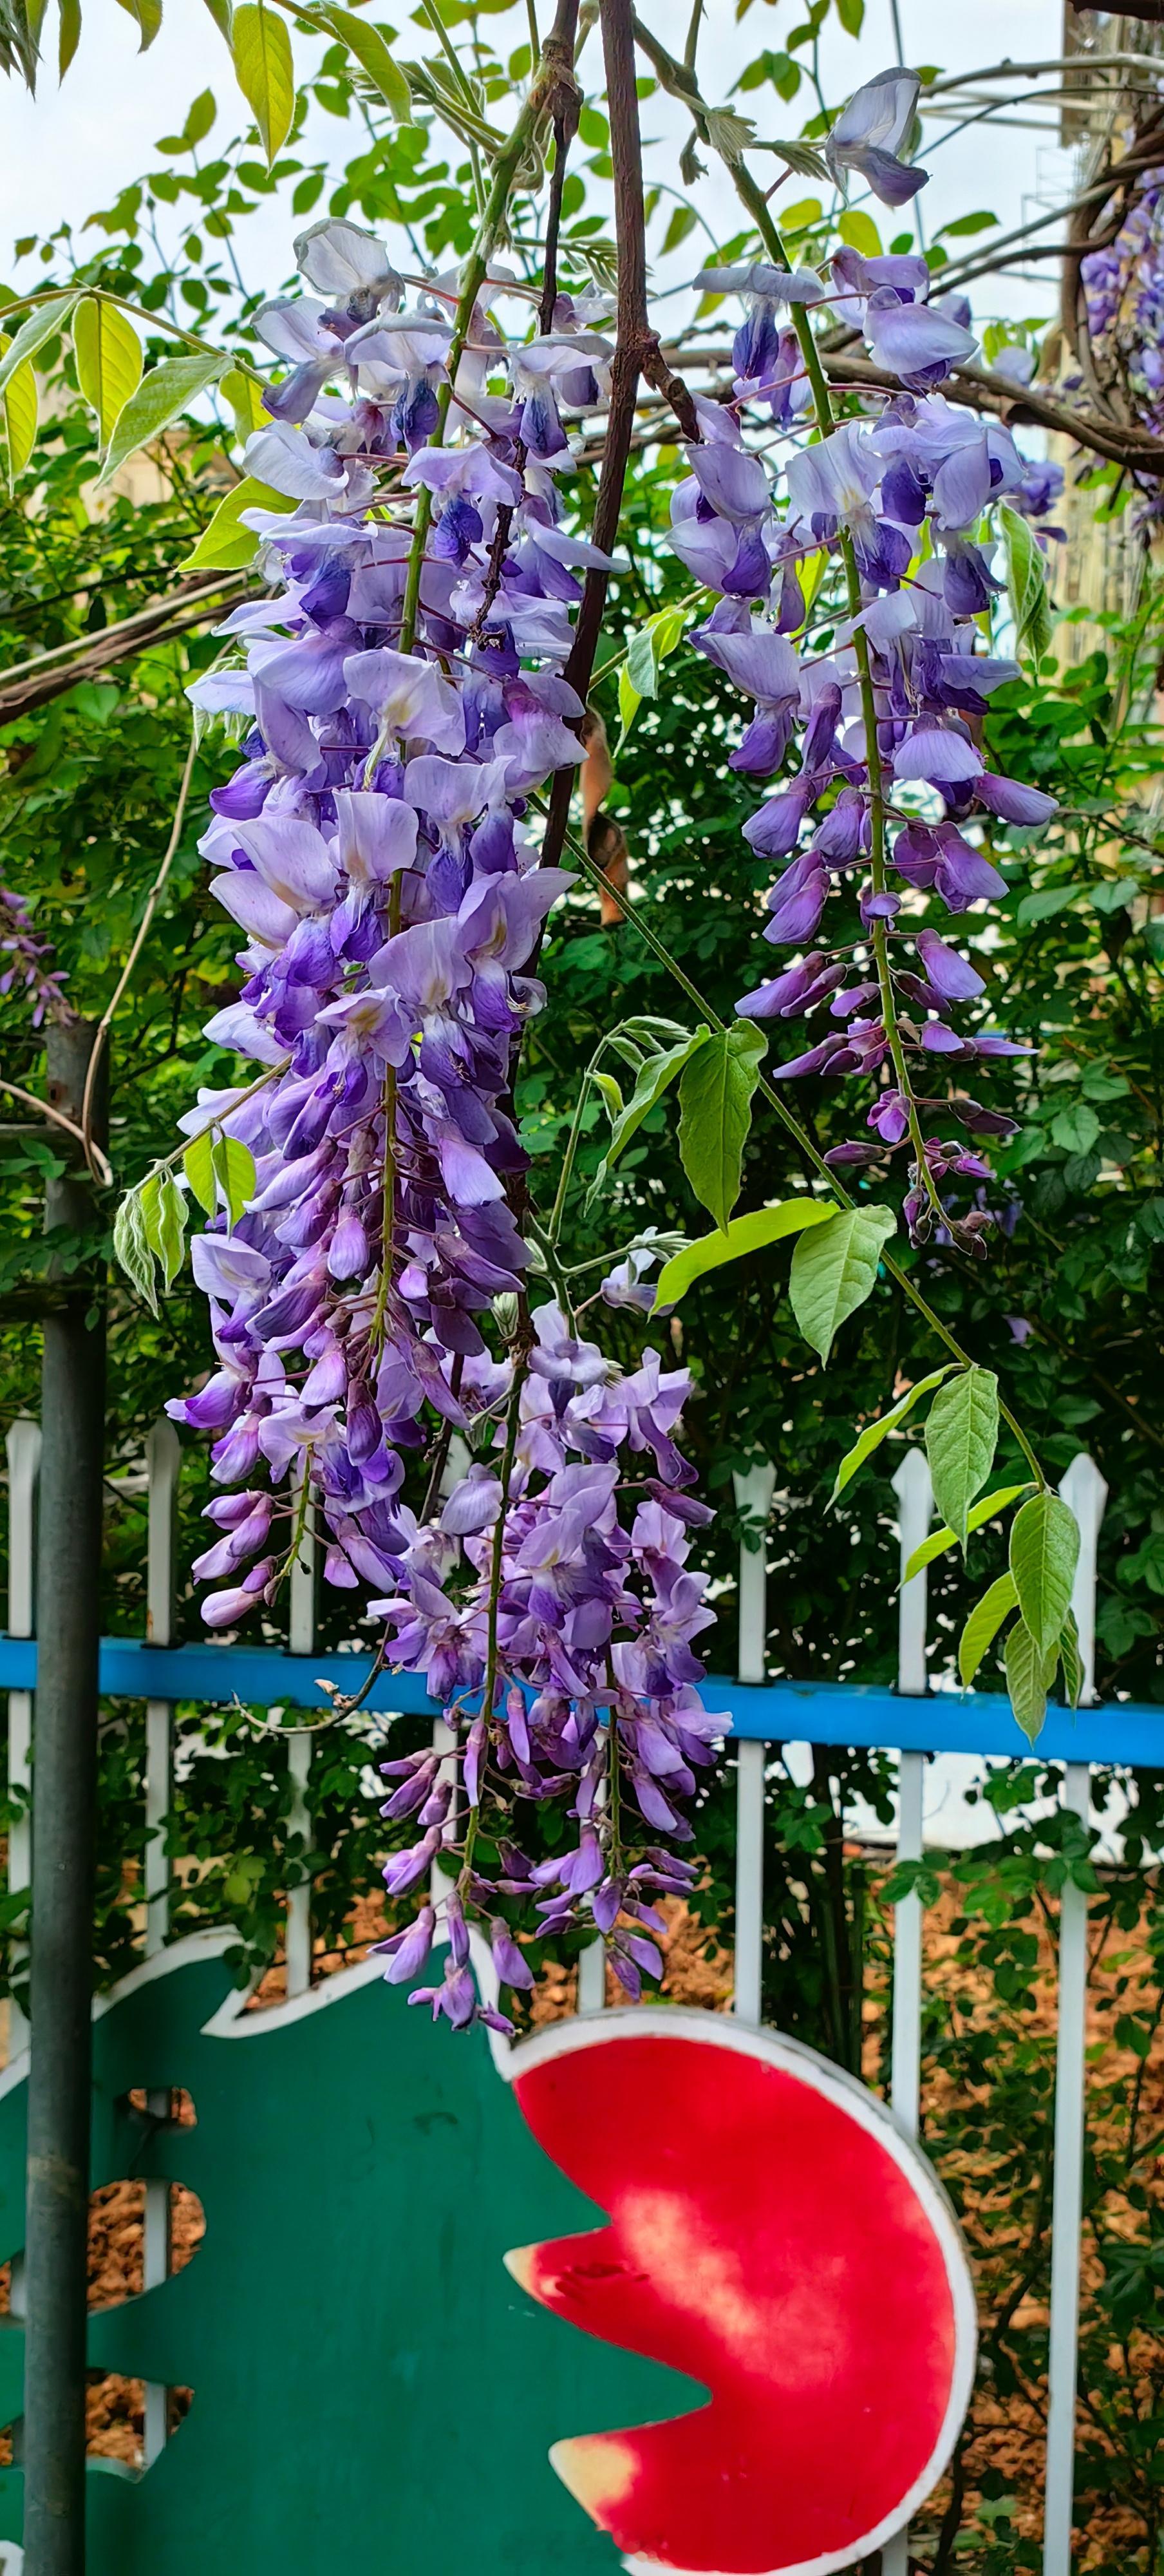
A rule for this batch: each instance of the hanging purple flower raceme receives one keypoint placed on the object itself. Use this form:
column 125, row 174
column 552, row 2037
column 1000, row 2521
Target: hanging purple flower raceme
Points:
column 24, row 966
column 376, row 851
column 1123, row 287
column 900, row 497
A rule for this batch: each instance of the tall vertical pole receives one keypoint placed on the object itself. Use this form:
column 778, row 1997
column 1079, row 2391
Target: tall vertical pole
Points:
column 23, row 1446
column 753, row 1492
column 913, row 1486
column 63, row 1838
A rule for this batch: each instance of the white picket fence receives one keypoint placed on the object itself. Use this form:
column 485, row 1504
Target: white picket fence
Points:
column 1083, row 1487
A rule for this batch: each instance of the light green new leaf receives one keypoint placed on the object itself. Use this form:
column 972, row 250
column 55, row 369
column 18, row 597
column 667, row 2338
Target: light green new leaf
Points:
column 1044, row 1552
column 875, row 1432
column 198, row 1166
column 242, row 393
column 161, row 396
column 32, row 335
column 833, row 1271
column 629, row 699
column 109, row 360
column 367, row 44
column 715, row 1113
column 147, row 17
column 939, row 1540
column 166, row 1228
column 658, row 1071
column 132, row 1249
column 1071, row 1661
column 225, row 545
column 265, row 72
column 19, row 406
column 613, row 1102
column 1029, row 1674
column 222, row 13
column 983, row 1625
column 1026, row 583
column 961, row 1438
column 234, row 1166
column 745, row 1234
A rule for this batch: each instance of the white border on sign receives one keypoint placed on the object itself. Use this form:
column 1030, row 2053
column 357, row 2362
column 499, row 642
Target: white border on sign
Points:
column 791, row 2057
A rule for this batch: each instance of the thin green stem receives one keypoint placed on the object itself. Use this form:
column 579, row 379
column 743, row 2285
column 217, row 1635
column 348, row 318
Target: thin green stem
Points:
column 799, row 1134
column 473, row 278
column 512, row 1425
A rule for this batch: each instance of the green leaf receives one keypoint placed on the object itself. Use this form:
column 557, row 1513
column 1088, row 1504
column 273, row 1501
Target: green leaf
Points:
column 657, row 1072
column 605, row 1084
column 629, row 699
column 132, row 1249
column 69, row 34
column 225, row 545
column 221, row 12
column 234, row 1166
column 19, row 406
column 939, row 1540
column 1044, row 1552
column 147, row 17
column 1076, row 1128
column 860, row 232
column 367, row 44
column 198, row 1166
column 170, row 1245
column 265, row 72
column 242, row 393
column 745, row 1234
column 160, row 397
column 875, row 1432
column 976, row 223
column 109, row 360
column 983, row 1625
column 1071, row 1660
column 833, row 1271
column 1029, row 1674
column 715, row 1104
column 32, row 334
column 961, row 1438
column 683, row 221
column 1026, row 582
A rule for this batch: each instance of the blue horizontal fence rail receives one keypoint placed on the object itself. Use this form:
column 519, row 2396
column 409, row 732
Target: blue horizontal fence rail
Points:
column 856, row 1713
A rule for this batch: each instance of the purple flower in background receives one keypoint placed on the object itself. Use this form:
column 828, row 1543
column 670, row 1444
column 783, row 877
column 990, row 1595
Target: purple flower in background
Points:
column 868, row 134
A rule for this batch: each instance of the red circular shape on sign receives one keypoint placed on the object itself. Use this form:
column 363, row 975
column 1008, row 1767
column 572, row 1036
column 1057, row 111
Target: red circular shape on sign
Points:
column 775, row 2238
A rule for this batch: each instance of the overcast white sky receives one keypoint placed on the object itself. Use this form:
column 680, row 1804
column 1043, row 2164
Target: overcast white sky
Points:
column 71, row 149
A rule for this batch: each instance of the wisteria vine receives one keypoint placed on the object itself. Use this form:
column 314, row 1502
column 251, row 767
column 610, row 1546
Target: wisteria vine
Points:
column 404, row 699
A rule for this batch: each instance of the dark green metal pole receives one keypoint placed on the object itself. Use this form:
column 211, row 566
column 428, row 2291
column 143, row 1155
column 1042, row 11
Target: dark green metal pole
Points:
column 63, row 1822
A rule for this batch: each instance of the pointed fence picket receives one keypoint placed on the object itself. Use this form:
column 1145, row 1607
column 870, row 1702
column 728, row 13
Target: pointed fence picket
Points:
column 766, row 1716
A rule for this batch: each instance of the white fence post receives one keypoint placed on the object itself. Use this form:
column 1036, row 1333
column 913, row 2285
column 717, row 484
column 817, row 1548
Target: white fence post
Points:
column 23, row 1447
column 301, row 1639
column 163, row 1465
column 1083, row 1488
column 913, row 1486
column 753, row 1492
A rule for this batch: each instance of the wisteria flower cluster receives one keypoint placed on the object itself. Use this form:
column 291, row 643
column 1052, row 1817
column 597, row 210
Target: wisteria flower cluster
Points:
column 25, row 965
column 375, row 848
column 892, row 786
column 1123, row 287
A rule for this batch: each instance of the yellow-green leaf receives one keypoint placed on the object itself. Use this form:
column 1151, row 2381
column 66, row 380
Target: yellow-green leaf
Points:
column 109, row 360
column 19, row 405
column 40, row 326
column 939, row 1540
column 744, row 1234
column 367, row 44
column 265, row 72
column 245, row 399
column 167, row 391
column 198, row 1165
column 860, row 232
column 875, row 1432
column 147, row 18
column 983, row 1624
column 225, row 545
column 234, row 1166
